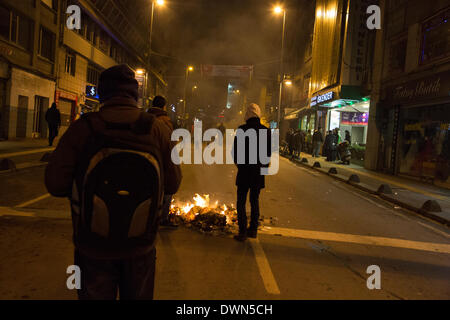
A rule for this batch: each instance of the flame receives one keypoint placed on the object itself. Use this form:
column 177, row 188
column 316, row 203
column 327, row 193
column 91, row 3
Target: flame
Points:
column 202, row 202
column 187, row 208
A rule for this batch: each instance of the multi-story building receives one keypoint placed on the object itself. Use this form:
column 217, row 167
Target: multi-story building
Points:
column 42, row 61
column 29, row 30
column 111, row 33
column 410, row 117
column 342, row 68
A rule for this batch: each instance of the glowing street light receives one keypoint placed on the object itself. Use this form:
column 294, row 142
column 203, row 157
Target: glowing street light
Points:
column 278, row 9
column 140, row 71
column 188, row 69
column 160, row 2
column 288, row 82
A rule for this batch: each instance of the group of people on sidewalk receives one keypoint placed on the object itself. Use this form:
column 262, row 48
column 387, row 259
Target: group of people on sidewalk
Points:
column 299, row 141
column 115, row 167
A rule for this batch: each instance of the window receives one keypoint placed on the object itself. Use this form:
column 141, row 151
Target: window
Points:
column 5, row 16
column 103, row 42
column 93, row 73
column 436, row 38
column 397, row 55
column 46, row 44
column 15, row 28
column 70, row 64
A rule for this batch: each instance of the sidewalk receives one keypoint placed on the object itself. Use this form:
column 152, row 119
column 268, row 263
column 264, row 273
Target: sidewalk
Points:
column 23, row 153
column 406, row 193
column 23, row 145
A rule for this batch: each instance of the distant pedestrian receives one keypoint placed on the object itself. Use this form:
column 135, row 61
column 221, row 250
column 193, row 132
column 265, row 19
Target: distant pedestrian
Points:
column 348, row 137
column 222, row 129
column 158, row 110
column 317, row 141
column 291, row 141
column 249, row 177
column 53, row 118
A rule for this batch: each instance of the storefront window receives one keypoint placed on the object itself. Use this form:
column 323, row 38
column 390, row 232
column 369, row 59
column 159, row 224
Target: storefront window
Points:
column 424, row 142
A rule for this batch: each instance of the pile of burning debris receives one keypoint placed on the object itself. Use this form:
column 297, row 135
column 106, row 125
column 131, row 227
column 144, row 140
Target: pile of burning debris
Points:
column 200, row 215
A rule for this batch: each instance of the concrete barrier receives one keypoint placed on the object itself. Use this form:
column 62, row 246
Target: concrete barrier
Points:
column 7, row 164
column 384, row 189
column 333, row 171
column 354, row 179
column 432, row 206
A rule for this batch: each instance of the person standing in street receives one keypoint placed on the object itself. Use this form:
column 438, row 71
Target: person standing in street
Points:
column 348, row 137
column 317, row 142
column 158, row 110
column 249, row 177
column 53, row 118
column 114, row 166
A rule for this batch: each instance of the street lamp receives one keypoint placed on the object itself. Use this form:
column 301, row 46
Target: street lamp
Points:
column 188, row 69
column 281, row 10
column 159, row 3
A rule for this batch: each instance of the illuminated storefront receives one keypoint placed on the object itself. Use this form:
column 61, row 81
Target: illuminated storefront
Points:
column 418, row 140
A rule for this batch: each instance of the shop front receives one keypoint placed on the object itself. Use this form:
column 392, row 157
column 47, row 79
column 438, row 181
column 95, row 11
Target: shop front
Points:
column 343, row 108
column 421, row 130
column 92, row 102
column 68, row 106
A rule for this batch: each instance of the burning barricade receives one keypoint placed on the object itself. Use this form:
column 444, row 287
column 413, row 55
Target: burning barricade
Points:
column 201, row 215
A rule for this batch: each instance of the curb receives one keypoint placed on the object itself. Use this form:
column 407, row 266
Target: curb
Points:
column 24, row 166
column 367, row 189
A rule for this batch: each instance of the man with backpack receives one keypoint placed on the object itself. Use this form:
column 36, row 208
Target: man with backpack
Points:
column 115, row 166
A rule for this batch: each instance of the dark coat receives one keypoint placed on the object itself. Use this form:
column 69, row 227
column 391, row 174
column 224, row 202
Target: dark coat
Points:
column 249, row 175
column 162, row 115
column 60, row 170
column 317, row 137
column 53, row 117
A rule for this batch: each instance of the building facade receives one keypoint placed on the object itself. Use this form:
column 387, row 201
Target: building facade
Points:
column 29, row 30
column 42, row 61
column 411, row 128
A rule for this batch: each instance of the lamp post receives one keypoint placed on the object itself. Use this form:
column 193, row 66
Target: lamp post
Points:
column 279, row 10
column 158, row 3
column 188, row 69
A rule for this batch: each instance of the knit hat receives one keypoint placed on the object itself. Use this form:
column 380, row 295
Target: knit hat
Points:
column 253, row 111
column 118, row 81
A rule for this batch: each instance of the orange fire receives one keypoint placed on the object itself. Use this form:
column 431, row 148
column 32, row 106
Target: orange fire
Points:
column 201, row 205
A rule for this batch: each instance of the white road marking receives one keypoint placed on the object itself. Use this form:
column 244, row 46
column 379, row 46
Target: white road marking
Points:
column 26, row 204
column 400, row 214
column 359, row 239
column 22, row 153
column 5, row 211
column 264, row 268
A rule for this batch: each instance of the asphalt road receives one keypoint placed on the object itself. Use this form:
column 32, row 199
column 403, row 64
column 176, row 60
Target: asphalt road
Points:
column 325, row 236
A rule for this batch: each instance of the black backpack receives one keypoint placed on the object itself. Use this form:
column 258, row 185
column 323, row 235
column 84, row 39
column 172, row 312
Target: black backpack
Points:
column 117, row 192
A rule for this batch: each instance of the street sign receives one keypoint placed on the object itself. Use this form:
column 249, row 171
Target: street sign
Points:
column 227, row 71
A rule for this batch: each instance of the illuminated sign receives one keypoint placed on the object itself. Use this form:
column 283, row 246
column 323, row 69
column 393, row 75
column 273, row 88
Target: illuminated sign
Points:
column 322, row 98
column 325, row 97
column 91, row 92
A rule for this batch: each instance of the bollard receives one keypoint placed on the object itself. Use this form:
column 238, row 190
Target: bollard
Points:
column 333, row 171
column 384, row 189
column 432, row 206
column 354, row 179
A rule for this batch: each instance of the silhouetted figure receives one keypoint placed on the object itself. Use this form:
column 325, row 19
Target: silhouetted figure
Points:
column 53, row 118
